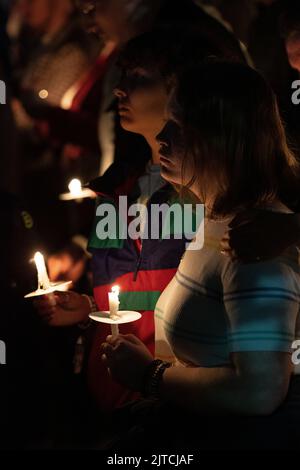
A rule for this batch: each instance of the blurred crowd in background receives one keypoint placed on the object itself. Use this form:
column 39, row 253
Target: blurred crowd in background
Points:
column 60, row 123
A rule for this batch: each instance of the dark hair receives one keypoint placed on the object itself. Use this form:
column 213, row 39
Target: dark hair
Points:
column 234, row 136
column 289, row 18
column 168, row 50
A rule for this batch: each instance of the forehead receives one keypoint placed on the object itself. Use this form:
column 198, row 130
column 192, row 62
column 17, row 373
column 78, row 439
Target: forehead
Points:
column 173, row 108
column 141, row 70
column 293, row 42
column 91, row 6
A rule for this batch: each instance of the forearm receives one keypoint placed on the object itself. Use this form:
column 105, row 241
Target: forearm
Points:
column 218, row 390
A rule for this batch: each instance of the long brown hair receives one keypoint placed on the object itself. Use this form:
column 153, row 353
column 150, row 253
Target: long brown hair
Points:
column 234, row 136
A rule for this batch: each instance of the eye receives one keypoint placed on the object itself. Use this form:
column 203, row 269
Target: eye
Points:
column 137, row 79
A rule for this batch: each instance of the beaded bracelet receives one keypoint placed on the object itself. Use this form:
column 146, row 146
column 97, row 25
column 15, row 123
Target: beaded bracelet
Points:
column 153, row 378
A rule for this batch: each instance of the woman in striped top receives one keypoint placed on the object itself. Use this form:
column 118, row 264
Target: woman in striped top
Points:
column 226, row 328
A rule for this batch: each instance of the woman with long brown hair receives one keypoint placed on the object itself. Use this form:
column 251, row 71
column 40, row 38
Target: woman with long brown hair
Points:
column 230, row 327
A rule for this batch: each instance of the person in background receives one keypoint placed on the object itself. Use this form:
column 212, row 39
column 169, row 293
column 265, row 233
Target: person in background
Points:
column 121, row 20
column 63, row 50
column 116, row 21
column 59, row 55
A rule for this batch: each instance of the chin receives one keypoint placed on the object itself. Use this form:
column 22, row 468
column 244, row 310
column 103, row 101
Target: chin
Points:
column 127, row 123
column 167, row 175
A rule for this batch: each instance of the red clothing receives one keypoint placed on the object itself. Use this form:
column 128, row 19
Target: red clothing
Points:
column 142, row 271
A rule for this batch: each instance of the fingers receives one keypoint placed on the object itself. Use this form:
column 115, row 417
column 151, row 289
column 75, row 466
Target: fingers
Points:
column 113, row 340
column 62, row 298
column 108, row 350
column 47, row 317
column 117, row 344
column 51, row 300
column 239, row 241
column 44, row 307
column 132, row 339
column 106, row 362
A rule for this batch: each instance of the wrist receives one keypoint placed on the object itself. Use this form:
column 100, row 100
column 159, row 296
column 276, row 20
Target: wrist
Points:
column 89, row 306
column 153, row 378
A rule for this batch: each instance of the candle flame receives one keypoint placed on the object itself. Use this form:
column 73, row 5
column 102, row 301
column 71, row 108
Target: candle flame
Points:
column 43, row 94
column 43, row 279
column 38, row 259
column 75, row 187
column 116, row 290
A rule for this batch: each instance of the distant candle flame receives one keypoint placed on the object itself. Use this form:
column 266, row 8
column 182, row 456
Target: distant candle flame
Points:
column 43, row 94
column 75, row 187
column 116, row 290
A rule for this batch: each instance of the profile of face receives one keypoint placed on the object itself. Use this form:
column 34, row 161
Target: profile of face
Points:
column 142, row 100
column 293, row 50
column 171, row 152
column 36, row 13
column 106, row 18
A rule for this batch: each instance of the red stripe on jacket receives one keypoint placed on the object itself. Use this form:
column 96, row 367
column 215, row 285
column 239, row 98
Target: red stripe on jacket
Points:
column 107, row 393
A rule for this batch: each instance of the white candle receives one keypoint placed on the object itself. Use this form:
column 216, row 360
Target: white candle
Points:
column 113, row 298
column 75, row 188
column 43, row 279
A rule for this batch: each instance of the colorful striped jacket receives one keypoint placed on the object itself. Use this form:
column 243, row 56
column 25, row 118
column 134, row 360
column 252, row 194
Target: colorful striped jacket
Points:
column 142, row 270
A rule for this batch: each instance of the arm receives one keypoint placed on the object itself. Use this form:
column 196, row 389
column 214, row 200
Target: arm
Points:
column 255, row 384
column 261, row 304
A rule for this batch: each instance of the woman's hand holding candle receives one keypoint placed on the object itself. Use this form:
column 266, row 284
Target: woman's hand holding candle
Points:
column 127, row 359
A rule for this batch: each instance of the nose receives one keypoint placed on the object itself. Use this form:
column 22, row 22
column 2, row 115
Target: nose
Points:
column 119, row 93
column 85, row 7
column 161, row 137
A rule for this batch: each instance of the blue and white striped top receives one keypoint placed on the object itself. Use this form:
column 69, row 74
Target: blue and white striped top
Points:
column 214, row 306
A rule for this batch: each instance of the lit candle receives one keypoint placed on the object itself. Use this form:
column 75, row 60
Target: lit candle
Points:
column 76, row 192
column 43, row 279
column 114, row 303
column 75, row 188
column 45, row 287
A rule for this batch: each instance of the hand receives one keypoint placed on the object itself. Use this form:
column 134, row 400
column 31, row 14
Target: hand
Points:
column 127, row 359
column 259, row 235
column 63, row 308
